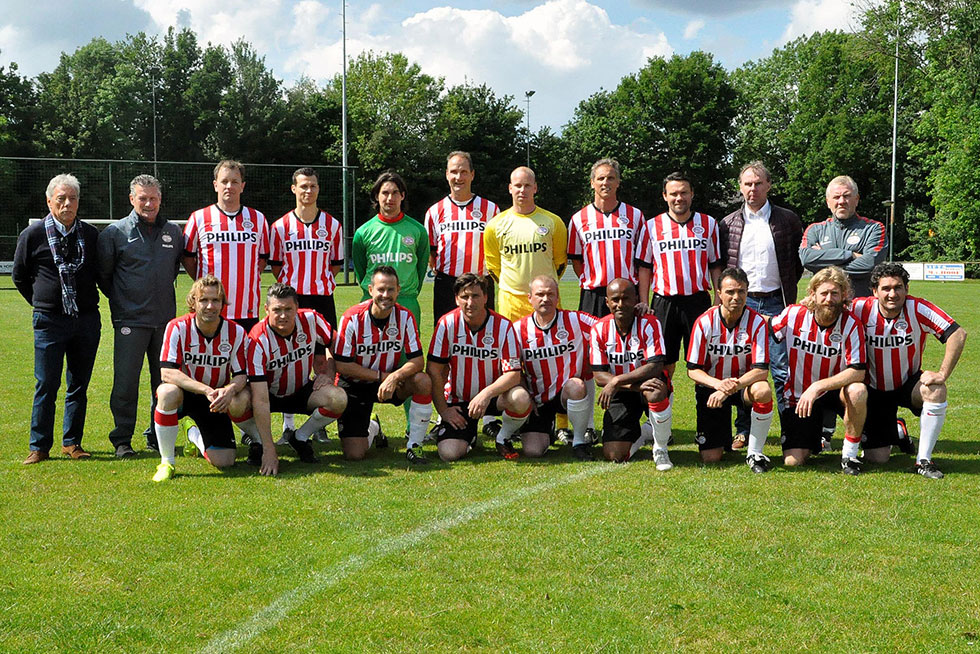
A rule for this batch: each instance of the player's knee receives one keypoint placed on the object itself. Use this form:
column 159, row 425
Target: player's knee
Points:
column 169, row 396
column 933, row 393
column 653, row 397
column 449, row 450
column 221, row 458
column 421, row 383
column 795, row 458
column 240, row 404
column 878, row 454
column 534, row 451
column 574, row 389
column 335, row 401
column 760, row 392
column 519, row 399
column 856, row 394
column 712, row 456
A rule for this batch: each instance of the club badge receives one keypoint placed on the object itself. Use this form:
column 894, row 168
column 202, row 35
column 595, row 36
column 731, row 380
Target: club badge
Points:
column 408, row 240
column 476, row 214
column 392, row 331
column 322, row 232
column 487, row 340
column 224, row 347
column 542, row 230
column 247, row 224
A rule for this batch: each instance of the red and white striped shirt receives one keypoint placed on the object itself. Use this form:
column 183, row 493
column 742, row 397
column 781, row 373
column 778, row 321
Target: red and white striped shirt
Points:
column 724, row 352
column 456, row 234
column 817, row 352
column 476, row 358
column 286, row 362
column 895, row 346
column 622, row 353
column 306, row 252
column 211, row 361
column 554, row 354
column 233, row 249
column 607, row 244
column 377, row 345
column 680, row 253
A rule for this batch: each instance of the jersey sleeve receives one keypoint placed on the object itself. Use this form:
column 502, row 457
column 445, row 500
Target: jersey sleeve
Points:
column 359, row 255
column 779, row 324
column 653, row 340
column 574, row 238
column 345, row 339
column 697, row 353
column 760, row 343
column 190, row 236
column 237, row 362
column 431, row 229
column 411, row 342
column 598, row 358
column 560, row 243
column 324, row 333
column 276, row 238
column 510, row 352
column 855, row 353
column 170, row 353
column 714, row 248
column 439, row 345
column 337, row 244
column 421, row 254
column 934, row 320
column 257, row 357
column 263, row 238
column 491, row 249
column 642, row 245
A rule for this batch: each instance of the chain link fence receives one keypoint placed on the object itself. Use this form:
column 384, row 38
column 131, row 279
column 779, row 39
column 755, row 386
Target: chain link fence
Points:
column 186, row 186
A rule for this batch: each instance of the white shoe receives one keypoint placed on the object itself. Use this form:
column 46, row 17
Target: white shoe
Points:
column 661, row 458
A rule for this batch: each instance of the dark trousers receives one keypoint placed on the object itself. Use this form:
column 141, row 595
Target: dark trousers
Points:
column 130, row 346
column 778, row 360
column 69, row 342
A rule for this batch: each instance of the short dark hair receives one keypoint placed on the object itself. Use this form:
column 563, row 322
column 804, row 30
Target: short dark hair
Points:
column 282, row 291
column 388, row 271
column 469, row 279
column 384, row 178
column 735, row 273
column 305, row 172
column 230, row 164
column 889, row 269
column 678, row 176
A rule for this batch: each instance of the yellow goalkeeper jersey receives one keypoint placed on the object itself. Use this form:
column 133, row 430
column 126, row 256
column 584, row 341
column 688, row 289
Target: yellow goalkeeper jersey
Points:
column 519, row 247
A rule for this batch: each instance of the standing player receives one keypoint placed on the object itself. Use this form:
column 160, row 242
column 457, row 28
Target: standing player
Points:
column 231, row 242
column 202, row 364
column 521, row 243
column 455, row 226
column 306, row 250
column 475, row 357
column 827, row 363
column 627, row 355
column 604, row 240
column 729, row 363
column 281, row 357
column 374, row 336
column 896, row 325
column 554, row 347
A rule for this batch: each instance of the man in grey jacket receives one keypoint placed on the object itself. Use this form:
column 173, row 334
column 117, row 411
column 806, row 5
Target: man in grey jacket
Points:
column 139, row 258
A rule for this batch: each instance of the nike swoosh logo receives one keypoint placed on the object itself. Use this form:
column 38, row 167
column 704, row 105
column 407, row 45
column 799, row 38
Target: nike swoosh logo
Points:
column 133, row 239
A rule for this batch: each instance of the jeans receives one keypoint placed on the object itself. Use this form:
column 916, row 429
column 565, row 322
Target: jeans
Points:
column 778, row 360
column 130, row 346
column 60, row 339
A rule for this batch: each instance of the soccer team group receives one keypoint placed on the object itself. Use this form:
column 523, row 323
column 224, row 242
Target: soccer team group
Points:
column 528, row 372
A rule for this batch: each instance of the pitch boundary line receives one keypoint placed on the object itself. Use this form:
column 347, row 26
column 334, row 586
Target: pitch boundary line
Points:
column 270, row 615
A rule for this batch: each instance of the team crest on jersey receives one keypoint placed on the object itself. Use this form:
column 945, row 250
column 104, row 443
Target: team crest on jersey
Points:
column 853, row 239
column 741, row 335
column 697, row 230
column 408, row 240
column 247, row 224
column 487, row 340
column 167, row 238
column 322, row 232
column 624, row 221
column 836, row 338
column 392, row 331
column 300, row 338
column 901, row 325
column 634, row 341
column 477, row 214
column 542, row 230
column 561, row 334
column 224, row 347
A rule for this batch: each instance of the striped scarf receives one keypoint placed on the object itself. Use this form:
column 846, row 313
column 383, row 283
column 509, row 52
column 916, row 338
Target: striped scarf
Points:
column 66, row 269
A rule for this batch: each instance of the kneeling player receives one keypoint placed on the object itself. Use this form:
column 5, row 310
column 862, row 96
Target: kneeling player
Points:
column 372, row 337
column 554, row 347
column 475, row 357
column 896, row 325
column 203, row 370
column 627, row 355
column 284, row 349
column 729, row 363
column 827, row 362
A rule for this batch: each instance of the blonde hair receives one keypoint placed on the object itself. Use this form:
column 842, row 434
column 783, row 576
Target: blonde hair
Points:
column 832, row 275
column 199, row 285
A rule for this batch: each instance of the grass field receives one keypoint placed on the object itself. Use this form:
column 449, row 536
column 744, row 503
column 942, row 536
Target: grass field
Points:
column 485, row 555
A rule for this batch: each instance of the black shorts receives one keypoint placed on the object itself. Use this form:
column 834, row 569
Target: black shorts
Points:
column 621, row 421
column 879, row 427
column 677, row 315
column 295, row 403
column 805, row 433
column 443, row 298
column 444, row 430
column 247, row 323
column 215, row 428
column 361, row 398
column 714, row 426
column 322, row 304
column 593, row 300
column 542, row 418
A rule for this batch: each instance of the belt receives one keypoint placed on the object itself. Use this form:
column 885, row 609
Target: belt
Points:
column 762, row 294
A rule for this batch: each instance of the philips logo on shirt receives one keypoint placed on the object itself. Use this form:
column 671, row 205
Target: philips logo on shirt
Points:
column 229, row 237
column 198, row 359
column 817, row 348
column 291, row 357
column 550, row 352
column 378, row 348
column 525, row 248
column 607, row 234
column 311, row 245
column 725, row 350
column 895, row 340
column 392, row 257
column 464, row 226
column 621, row 358
column 474, row 352
column 682, row 244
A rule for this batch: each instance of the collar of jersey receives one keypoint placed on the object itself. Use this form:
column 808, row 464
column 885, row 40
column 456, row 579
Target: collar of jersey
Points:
column 391, row 221
column 221, row 321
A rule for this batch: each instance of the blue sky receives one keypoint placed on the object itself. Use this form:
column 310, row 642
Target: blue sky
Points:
column 564, row 50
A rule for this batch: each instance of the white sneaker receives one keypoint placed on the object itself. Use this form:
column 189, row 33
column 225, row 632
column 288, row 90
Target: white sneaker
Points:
column 662, row 460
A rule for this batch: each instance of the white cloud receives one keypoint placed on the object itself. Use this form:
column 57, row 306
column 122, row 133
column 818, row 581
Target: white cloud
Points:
column 220, row 22
column 809, row 16
column 692, row 28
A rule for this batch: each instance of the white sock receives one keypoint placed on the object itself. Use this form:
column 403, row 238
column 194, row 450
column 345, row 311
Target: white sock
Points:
column 646, row 435
column 319, row 418
column 580, row 415
column 850, row 448
column 590, row 391
column 930, row 423
column 288, row 421
column 759, row 430
column 194, row 436
column 419, row 414
column 166, row 434
column 249, row 427
column 509, row 425
column 662, row 425
column 374, row 428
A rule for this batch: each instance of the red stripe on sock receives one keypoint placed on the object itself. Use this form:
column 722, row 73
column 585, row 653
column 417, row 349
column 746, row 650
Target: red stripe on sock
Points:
column 328, row 414
column 518, row 415
column 422, row 399
column 165, row 419
column 852, row 439
column 759, row 407
column 660, row 406
column 242, row 418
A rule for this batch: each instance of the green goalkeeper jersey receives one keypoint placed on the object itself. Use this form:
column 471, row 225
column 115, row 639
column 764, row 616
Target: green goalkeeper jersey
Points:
column 402, row 244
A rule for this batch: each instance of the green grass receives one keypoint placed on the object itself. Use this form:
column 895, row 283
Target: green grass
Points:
column 485, row 555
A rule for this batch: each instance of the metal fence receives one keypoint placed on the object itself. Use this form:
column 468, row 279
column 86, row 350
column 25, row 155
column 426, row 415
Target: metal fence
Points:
column 186, row 186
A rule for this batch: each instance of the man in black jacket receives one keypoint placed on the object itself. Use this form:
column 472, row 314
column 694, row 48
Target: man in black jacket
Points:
column 139, row 257
column 763, row 240
column 55, row 271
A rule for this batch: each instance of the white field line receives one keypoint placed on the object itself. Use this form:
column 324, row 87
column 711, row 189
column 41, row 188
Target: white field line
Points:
column 270, row 615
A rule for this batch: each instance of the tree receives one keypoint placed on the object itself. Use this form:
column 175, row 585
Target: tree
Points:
column 18, row 99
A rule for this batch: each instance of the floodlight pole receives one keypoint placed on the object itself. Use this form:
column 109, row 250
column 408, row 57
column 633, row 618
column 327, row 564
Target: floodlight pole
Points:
column 153, row 93
column 343, row 128
column 527, row 114
column 891, row 210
